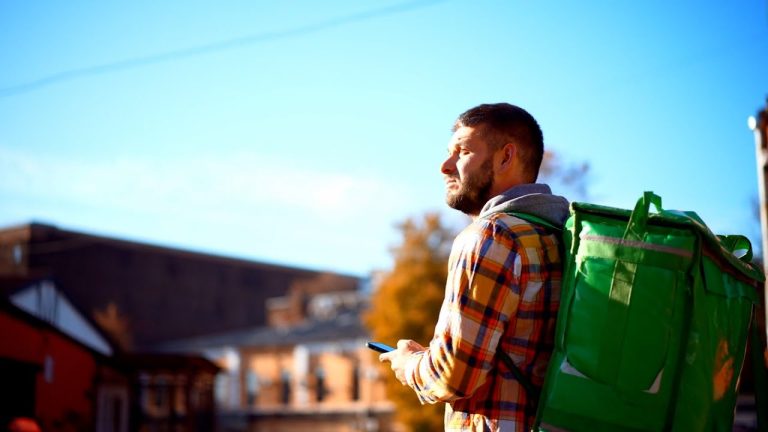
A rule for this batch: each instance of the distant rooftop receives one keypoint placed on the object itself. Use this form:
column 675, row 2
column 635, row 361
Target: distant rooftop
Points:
column 153, row 294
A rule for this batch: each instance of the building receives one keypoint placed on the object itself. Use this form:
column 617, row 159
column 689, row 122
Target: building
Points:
column 314, row 373
column 145, row 294
column 280, row 347
column 59, row 368
column 55, row 366
column 172, row 392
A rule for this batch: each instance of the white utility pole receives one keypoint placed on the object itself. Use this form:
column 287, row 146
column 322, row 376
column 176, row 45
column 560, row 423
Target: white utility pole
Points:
column 759, row 125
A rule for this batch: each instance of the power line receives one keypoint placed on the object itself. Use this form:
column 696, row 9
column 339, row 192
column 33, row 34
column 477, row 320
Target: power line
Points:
column 210, row 48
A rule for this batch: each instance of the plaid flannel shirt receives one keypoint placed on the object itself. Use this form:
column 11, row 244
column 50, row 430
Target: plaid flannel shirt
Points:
column 503, row 290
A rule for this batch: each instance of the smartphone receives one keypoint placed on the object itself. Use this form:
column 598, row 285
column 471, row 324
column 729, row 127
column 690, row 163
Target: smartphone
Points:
column 379, row 347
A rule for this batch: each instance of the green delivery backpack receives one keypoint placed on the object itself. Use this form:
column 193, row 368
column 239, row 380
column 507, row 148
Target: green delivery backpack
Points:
column 654, row 319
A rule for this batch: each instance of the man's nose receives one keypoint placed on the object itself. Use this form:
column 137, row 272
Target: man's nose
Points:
column 448, row 166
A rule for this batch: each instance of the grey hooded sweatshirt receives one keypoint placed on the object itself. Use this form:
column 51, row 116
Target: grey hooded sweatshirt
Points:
column 535, row 199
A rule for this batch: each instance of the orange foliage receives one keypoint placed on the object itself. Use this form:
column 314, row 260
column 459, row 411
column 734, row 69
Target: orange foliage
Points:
column 115, row 325
column 406, row 305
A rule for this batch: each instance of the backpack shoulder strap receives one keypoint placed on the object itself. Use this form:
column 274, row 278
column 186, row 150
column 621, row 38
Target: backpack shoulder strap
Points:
column 525, row 382
column 536, row 220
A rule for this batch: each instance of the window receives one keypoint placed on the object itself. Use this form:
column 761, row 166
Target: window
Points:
column 161, row 396
column 320, row 390
column 356, row 382
column 18, row 254
column 285, row 387
column 251, row 387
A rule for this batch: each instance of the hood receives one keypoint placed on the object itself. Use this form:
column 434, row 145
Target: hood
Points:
column 535, row 199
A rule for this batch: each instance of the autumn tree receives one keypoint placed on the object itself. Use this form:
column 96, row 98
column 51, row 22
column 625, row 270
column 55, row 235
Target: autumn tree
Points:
column 115, row 325
column 570, row 179
column 406, row 305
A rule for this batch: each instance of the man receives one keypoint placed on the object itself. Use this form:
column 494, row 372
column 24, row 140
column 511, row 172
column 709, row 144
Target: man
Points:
column 504, row 274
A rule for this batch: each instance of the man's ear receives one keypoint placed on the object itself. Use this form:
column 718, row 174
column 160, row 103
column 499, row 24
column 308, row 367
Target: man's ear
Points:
column 508, row 153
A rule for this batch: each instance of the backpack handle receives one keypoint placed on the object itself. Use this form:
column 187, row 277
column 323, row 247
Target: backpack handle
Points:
column 738, row 245
column 639, row 219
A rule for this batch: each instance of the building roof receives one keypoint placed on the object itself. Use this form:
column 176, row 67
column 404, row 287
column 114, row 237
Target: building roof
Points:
column 149, row 294
column 42, row 299
column 344, row 327
column 34, row 321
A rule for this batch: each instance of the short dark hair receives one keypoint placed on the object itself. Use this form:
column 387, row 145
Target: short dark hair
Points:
column 502, row 122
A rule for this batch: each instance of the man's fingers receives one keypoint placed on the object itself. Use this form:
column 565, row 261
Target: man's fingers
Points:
column 385, row 356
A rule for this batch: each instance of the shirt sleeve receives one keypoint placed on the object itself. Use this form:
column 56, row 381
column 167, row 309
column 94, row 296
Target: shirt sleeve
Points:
column 482, row 295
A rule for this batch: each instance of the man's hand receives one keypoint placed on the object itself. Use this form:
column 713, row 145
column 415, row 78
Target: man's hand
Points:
column 398, row 357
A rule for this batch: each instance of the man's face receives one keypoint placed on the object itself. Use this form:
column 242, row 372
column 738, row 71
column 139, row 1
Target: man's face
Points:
column 468, row 171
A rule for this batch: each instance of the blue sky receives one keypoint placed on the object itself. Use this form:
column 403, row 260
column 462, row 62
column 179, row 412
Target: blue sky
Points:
column 301, row 132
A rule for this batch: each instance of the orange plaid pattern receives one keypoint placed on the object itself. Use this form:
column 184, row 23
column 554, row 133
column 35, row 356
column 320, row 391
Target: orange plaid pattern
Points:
column 503, row 290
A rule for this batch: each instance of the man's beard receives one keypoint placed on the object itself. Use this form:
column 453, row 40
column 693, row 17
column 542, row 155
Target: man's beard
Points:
column 473, row 191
